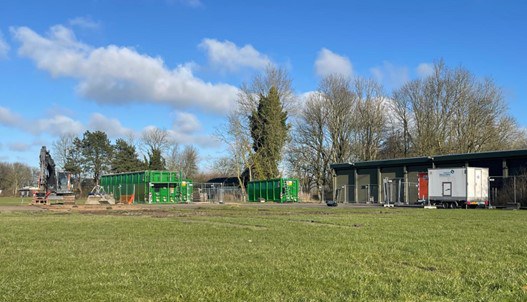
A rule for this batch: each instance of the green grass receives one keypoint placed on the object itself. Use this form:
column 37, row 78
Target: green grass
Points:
column 15, row 201
column 265, row 253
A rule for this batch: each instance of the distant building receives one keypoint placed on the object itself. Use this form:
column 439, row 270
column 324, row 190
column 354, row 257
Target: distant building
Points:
column 366, row 182
column 27, row 191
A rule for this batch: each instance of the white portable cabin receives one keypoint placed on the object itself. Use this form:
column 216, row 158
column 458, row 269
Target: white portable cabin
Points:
column 467, row 185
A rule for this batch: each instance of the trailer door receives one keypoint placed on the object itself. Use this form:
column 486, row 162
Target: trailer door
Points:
column 478, row 183
column 447, row 189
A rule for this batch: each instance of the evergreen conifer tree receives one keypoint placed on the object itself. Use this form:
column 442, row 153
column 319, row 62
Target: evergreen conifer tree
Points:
column 269, row 132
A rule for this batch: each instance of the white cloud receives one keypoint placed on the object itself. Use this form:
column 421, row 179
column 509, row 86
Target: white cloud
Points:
column 19, row 147
column 112, row 126
column 4, row 47
column 114, row 74
column 8, row 118
column 85, row 22
column 203, row 141
column 186, row 122
column 425, row 69
column 177, row 135
column 227, row 56
column 328, row 63
column 390, row 75
column 56, row 125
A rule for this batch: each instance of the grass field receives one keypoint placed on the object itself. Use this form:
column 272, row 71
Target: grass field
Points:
column 15, row 201
column 263, row 253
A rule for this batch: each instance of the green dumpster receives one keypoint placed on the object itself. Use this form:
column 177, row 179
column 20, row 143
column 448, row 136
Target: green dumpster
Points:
column 277, row 190
column 148, row 187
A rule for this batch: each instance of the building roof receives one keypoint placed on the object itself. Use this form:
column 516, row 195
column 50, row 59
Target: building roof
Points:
column 231, row 180
column 412, row 161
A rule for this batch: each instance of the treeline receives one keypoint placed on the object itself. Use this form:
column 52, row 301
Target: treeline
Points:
column 92, row 155
column 14, row 176
column 347, row 120
column 272, row 131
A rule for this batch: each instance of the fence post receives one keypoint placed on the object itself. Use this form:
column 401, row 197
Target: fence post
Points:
column 514, row 181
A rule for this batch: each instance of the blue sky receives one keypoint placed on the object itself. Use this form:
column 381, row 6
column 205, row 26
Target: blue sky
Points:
column 123, row 66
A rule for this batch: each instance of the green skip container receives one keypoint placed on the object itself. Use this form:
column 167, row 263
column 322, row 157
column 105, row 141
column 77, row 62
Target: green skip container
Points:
column 148, row 187
column 277, row 190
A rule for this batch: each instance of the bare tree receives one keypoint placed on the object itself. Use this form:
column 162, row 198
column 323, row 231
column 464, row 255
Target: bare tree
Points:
column 451, row 111
column 273, row 76
column 185, row 161
column 309, row 153
column 13, row 176
column 340, row 103
column 344, row 120
column 22, row 176
column 155, row 139
column 173, row 158
column 236, row 135
column 189, row 161
column 369, row 120
column 224, row 166
column 61, row 148
column 155, row 142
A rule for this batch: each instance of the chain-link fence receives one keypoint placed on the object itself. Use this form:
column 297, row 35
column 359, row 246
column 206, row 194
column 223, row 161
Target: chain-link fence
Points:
column 508, row 191
column 217, row 193
column 364, row 194
column 393, row 191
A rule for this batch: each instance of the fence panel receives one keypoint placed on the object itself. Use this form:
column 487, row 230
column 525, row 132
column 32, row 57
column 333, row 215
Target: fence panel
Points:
column 508, row 191
column 217, row 193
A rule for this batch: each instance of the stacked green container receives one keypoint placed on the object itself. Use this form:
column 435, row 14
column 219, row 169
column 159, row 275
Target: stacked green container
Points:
column 148, row 187
column 278, row 190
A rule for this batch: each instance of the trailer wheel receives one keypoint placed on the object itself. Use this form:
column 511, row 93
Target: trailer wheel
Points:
column 453, row 205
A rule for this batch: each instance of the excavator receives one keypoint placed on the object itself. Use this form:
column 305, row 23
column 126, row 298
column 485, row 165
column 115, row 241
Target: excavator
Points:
column 53, row 186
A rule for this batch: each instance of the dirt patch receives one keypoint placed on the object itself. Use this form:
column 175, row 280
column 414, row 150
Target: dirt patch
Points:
column 9, row 209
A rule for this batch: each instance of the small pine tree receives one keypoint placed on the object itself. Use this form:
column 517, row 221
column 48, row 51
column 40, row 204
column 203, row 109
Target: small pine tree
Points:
column 96, row 153
column 156, row 160
column 125, row 158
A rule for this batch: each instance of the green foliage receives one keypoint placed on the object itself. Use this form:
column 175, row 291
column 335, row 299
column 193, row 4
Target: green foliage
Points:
column 74, row 158
column 125, row 158
column 96, row 153
column 269, row 132
column 156, row 160
column 256, row 253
